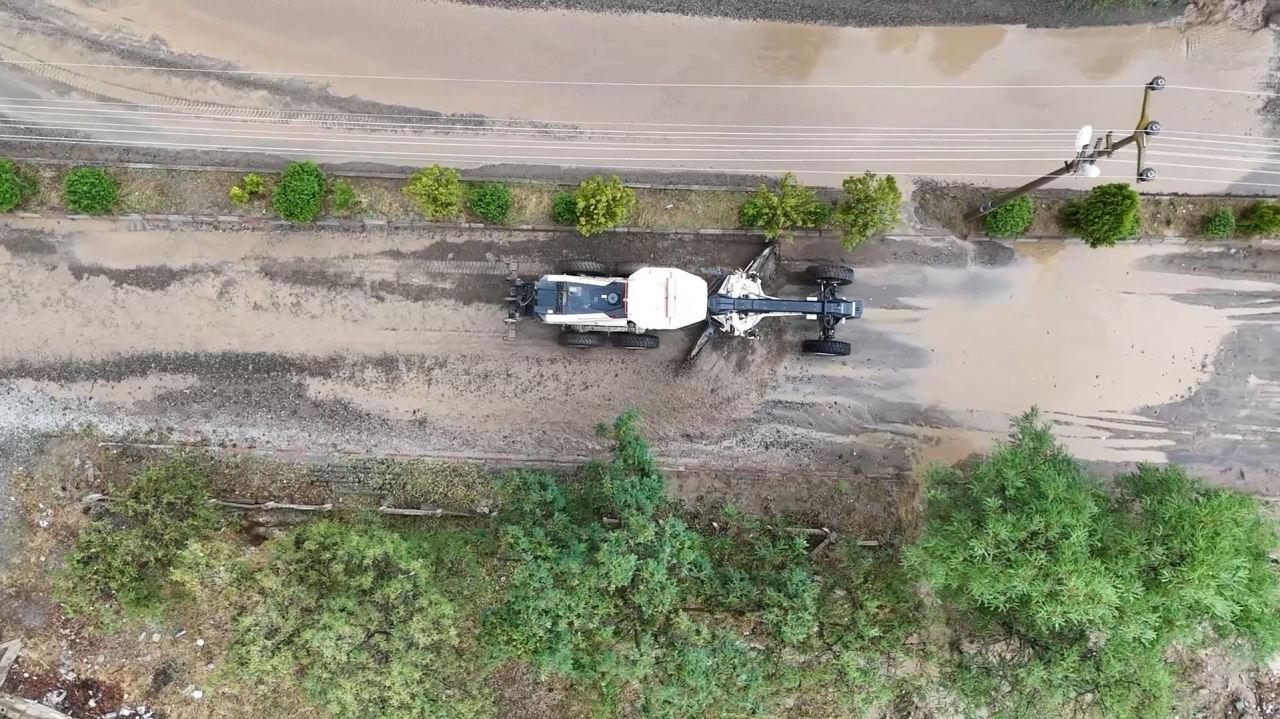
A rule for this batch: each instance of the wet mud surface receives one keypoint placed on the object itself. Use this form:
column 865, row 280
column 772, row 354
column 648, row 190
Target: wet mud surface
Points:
column 392, row 342
column 436, row 89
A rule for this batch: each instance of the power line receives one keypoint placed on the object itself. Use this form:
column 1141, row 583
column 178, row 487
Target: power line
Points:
column 560, row 161
column 1263, row 93
column 579, row 83
column 446, row 141
column 481, row 129
column 465, row 156
column 488, row 119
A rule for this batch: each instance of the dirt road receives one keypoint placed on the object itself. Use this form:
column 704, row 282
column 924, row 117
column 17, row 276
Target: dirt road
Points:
column 391, row 342
column 635, row 92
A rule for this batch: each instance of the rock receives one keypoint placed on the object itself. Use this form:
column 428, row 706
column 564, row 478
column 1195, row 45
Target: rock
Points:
column 155, row 637
column 199, row 642
column 197, row 695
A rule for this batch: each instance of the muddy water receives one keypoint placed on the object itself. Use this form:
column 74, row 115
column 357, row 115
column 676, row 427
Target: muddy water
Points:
column 1098, row 340
column 415, row 38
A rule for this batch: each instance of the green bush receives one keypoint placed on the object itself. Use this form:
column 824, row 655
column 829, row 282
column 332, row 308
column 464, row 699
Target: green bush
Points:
column 1220, row 223
column 491, row 201
column 125, row 558
column 12, row 191
column 602, row 203
column 1107, row 215
column 793, row 205
column 252, row 184
column 437, row 191
column 869, row 205
column 356, row 615
column 344, row 196
column 564, row 209
column 238, row 195
column 1010, row 219
column 816, row 215
column 90, row 190
column 299, row 195
column 1084, row 588
column 1258, row 219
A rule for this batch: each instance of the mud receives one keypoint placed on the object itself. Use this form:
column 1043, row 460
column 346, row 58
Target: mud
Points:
column 467, row 42
column 391, row 342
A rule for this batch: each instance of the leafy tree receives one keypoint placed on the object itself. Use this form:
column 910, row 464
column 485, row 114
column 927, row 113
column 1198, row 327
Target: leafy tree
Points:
column 355, row 613
column 793, row 205
column 344, row 196
column 437, row 191
column 602, row 203
column 11, row 186
column 1220, row 223
column 1010, row 219
column 1086, row 589
column 564, row 209
column 491, row 201
column 1260, row 218
column 1107, row 215
column 604, row 590
column 299, row 196
column 126, row 556
column 90, row 190
column 870, row 205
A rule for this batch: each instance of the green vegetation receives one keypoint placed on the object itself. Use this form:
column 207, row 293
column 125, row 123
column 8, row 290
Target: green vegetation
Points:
column 1220, row 223
column 16, row 186
column 793, row 205
column 90, row 191
column 299, row 195
column 1010, row 219
column 1107, row 215
column 491, row 201
column 1033, row 590
column 122, row 560
column 251, row 185
column 358, row 614
column 437, row 191
column 564, row 209
column 601, row 204
column 1086, row 589
column 1259, row 219
column 344, row 196
column 869, row 205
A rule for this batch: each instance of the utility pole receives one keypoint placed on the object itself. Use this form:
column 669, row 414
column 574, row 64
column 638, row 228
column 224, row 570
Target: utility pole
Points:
column 1084, row 164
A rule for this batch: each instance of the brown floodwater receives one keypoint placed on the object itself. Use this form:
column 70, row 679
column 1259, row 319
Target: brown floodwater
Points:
column 392, row 40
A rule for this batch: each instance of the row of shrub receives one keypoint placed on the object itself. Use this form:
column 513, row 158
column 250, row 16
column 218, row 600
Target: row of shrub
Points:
column 1033, row 590
column 87, row 190
column 868, row 204
column 1110, row 213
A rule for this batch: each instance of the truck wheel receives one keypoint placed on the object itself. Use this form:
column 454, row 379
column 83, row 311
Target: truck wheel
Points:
column 830, row 348
column 831, row 274
column 626, row 269
column 636, row 342
column 581, row 340
column 591, row 268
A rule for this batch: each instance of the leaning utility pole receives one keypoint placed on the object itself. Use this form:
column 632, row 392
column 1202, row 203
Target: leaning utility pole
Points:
column 1084, row 164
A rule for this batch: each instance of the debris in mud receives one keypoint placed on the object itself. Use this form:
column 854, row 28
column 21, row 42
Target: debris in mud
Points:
column 1244, row 14
column 81, row 697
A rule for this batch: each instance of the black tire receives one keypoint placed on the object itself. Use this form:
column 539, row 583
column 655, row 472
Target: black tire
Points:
column 626, row 269
column 591, row 268
column 829, row 348
column 581, row 340
column 629, row 341
column 831, row 274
